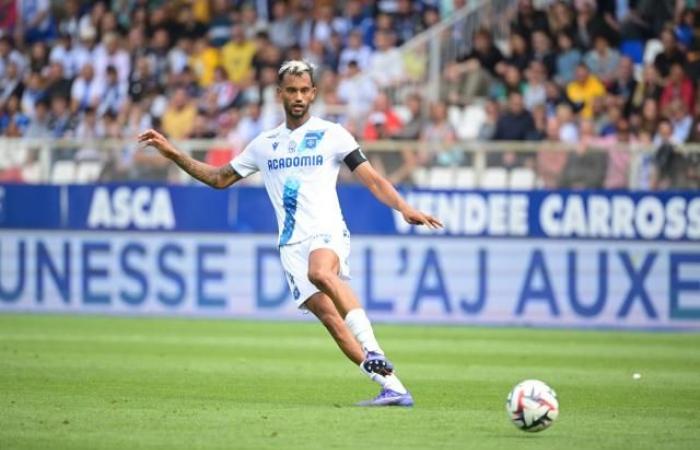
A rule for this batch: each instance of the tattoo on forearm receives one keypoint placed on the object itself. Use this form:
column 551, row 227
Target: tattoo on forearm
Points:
column 200, row 171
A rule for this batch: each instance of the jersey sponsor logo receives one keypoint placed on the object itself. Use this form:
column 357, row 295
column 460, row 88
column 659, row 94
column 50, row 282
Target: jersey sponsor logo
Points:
column 294, row 161
column 292, row 147
column 310, row 140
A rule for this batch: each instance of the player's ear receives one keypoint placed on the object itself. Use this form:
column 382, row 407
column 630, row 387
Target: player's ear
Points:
column 313, row 93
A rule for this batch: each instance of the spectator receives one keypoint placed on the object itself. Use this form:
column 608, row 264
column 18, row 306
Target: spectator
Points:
column 529, row 19
column 13, row 122
column 623, row 86
column 619, row 156
column 61, row 125
column 382, row 120
column 551, row 156
column 485, row 55
column 357, row 91
column 203, row 61
column 86, row 91
column 62, row 53
column 36, row 21
column 534, row 91
column 438, row 139
column 602, row 61
column 516, row 122
column 56, row 84
column 520, row 56
column 512, row 82
column 584, row 89
column 220, row 24
column 88, row 131
column 222, row 89
column 561, row 19
column 114, row 96
column 385, row 64
column 568, row 58
column 542, row 51
column 39, row 125
column 237, row 56
column 678, row 87
column 650, row 116
column 83, row 52
column 110, row 54
column 142, row 82
column 282, row 27
column 158, row 54
column 585, row 167
column 669, row 162
column 670, row 54
column 11, row 83
column 681, row 121
column 179, row 116
column 33, row 92
column 251, row 124
column 356, row 51
column 9, row 54
column 406, row 21
column 566, row 124
column 488, row 128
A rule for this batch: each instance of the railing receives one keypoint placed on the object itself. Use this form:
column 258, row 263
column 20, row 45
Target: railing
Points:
column 426, row 55
column 494, row 165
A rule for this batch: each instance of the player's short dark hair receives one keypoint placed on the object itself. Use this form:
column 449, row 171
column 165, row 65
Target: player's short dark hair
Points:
column 296, row 68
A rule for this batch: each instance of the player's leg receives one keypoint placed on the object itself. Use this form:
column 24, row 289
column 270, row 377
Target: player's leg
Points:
column 323, row 308
column 324, row 269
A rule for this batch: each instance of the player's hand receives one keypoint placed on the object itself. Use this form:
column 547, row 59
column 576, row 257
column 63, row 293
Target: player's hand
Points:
column 155, row 139
column 415, row 217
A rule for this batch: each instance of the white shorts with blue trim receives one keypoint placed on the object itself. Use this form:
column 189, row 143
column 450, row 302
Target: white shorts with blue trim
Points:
column 295, row 261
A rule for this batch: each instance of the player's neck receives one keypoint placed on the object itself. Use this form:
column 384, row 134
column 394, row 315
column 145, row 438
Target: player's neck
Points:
column 293, row 123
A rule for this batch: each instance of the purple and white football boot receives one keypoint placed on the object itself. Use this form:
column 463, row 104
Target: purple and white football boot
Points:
column 387, row 397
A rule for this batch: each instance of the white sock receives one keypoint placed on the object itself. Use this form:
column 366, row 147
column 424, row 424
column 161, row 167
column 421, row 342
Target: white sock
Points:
column 387, row 382
column 359, row 326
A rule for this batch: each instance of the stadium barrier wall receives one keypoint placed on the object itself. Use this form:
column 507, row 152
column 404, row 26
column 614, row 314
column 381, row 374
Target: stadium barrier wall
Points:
column 536, row 258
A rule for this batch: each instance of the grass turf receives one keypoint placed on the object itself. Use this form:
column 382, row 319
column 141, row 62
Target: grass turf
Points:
column 116, row 383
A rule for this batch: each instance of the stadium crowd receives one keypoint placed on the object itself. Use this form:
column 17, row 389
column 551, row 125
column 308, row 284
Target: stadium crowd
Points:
column 595, row 76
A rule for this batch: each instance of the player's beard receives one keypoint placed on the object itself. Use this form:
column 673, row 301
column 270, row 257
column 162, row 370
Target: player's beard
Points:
column 289, row 110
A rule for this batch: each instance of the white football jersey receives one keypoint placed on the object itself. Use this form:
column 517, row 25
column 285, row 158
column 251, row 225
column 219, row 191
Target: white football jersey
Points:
column 300, row 170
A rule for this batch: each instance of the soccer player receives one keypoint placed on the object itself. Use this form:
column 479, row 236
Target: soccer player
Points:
column 299, row 161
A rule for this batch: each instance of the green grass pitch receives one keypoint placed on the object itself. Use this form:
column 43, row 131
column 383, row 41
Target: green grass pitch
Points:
column 139, row 383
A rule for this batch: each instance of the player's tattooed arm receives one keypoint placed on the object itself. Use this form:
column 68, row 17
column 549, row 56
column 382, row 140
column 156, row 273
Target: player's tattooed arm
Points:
column 387, row 194
column 217, row 177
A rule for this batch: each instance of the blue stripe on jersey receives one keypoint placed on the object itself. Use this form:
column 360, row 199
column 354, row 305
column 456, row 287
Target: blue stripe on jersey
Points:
column 289, row 201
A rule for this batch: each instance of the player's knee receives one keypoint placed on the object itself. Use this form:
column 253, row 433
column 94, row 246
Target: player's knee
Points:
column 321, row 278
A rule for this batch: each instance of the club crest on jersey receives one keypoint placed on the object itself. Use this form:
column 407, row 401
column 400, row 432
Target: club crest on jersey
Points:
column 311, row 140
column 292, row 147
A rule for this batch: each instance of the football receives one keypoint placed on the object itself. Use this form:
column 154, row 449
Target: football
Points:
column 532, row 405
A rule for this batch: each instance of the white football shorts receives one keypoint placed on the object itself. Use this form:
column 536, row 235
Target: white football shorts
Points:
column 295, row 261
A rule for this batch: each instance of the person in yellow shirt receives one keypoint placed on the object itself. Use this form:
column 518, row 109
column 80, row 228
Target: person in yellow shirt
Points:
column 203, row 61
column 178, row 118
column 584, row 89
column 237, row 56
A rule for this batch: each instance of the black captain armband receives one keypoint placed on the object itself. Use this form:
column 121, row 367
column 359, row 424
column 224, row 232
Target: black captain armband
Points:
column 354, row 159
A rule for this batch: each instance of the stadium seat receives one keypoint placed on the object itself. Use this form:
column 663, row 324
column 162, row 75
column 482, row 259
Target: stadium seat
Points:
column 522, row 178
column 31, row 173
column 634, row 49
column 494, row 178
column 441, row 177
column 63, row 172
column 88, row 171
column 465, row 179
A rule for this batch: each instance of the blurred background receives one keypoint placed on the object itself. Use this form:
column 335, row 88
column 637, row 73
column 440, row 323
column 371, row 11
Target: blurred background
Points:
column 570, row 127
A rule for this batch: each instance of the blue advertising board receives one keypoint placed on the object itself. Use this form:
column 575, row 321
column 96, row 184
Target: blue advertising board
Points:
column 541, row 258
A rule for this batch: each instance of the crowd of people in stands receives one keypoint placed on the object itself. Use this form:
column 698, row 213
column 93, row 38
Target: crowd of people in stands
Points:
column 590, row 76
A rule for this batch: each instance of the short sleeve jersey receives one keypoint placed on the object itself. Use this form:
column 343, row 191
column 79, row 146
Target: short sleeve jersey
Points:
column 300, row 171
